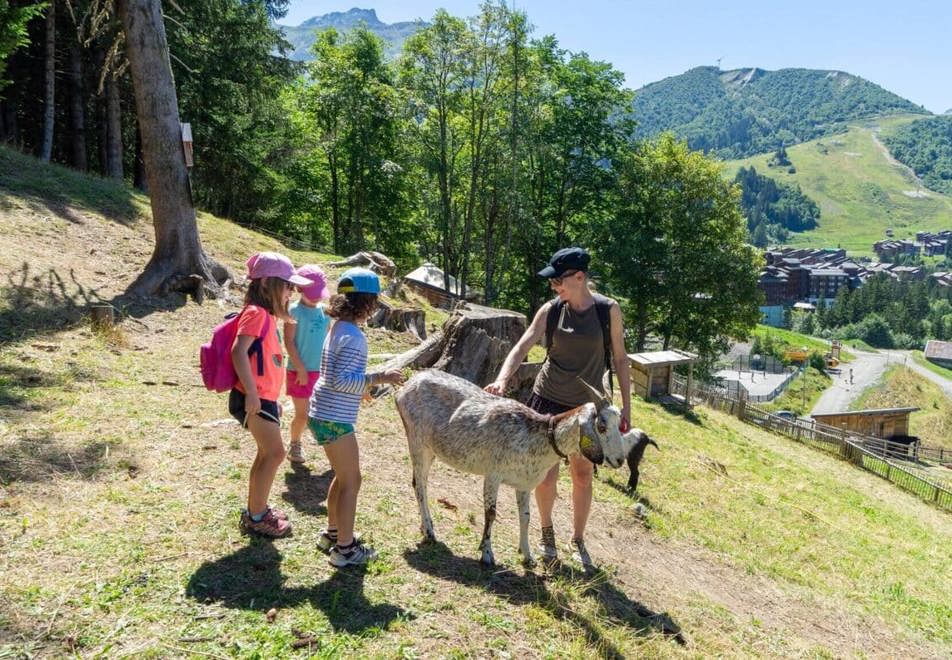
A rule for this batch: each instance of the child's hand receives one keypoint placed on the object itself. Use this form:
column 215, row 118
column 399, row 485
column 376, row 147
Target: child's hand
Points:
column 252, row 403
column 300, row 378
column 393, row 376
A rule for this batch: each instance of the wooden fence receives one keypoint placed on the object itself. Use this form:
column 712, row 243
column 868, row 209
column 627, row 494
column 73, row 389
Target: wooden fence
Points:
column 837, row 442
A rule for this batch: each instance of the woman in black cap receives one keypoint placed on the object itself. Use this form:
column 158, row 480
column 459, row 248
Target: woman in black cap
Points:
column 577, row 350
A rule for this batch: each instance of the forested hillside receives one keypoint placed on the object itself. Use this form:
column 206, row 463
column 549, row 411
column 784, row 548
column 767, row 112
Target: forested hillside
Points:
column 743, row 112
column 926, row 146
column 302, row 37
column 773, row 209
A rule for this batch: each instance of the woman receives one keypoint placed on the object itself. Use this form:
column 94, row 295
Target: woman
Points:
column 577, row 351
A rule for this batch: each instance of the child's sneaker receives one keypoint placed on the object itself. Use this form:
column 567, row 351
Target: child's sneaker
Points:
column 326, row 541
column 295, row 453
column 355, row 555
column 270, row 525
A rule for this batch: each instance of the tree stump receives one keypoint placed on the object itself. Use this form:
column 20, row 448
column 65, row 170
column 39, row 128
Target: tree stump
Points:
column 102, row 316
column 476, row 341
column 399, row 319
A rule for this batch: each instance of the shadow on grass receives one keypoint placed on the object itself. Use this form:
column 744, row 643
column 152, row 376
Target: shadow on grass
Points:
column 436, row 559
column 33, row 458
column 44, row 302
column 62, row 191
column 675, row 407
column 251, row 579
column 305, row 491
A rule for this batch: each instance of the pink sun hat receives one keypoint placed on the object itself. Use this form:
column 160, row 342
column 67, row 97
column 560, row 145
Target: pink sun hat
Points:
column 316, row 288
column 272, row 264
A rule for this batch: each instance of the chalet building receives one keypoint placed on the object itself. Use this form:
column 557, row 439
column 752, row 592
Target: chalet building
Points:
column 428, row 280
column 936, row 244
column 939, row 352
column 942, row 278
column 891, row 249
column 825, row 282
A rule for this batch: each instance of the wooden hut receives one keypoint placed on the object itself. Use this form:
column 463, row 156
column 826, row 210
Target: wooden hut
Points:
column 429, row 281
column 652, row 373
column 886, row 423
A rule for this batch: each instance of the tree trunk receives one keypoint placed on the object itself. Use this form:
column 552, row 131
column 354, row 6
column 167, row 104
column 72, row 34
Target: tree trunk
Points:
column 399, row 319
column 178, row 254
column 77, row 106
column 476, row 341
column 49, row 87
column 114, row 128
column 138, row 172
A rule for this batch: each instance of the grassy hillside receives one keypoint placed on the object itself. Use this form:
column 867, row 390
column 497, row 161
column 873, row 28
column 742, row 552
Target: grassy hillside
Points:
column 861, row 190
column 121, row 480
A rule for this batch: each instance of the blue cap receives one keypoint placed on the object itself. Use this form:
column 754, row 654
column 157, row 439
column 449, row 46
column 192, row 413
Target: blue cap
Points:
column 566, row 259
column 358, row 280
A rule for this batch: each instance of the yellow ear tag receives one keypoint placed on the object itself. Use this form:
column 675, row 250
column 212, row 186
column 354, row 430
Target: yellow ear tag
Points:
column 584, row 441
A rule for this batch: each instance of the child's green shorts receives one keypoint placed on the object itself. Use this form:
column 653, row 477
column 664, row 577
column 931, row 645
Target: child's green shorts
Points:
column 327, row 432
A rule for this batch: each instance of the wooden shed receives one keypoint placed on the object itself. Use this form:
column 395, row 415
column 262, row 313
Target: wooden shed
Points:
column 428, row 281
column 652, row 373
column 880, row 422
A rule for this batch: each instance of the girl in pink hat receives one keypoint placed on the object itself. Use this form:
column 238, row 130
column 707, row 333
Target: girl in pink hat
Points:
column 304, row 340
column 259, row 365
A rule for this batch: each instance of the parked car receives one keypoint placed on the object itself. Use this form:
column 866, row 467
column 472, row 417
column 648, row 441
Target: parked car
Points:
column 786, row 414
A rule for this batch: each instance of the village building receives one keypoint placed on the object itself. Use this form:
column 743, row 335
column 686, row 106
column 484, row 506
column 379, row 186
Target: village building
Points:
column 939, row 353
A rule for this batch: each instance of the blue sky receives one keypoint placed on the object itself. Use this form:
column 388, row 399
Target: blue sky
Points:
column 903, row 46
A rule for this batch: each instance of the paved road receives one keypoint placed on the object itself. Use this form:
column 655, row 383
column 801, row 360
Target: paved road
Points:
column 867, row 369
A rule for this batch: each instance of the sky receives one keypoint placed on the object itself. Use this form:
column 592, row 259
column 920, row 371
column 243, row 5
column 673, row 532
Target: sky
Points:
column 902, row 46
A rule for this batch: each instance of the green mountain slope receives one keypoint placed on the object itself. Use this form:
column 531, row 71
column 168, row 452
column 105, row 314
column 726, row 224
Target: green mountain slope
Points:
column 925, row 145
column 742, row 112
column 860, row 188
column 302, row 36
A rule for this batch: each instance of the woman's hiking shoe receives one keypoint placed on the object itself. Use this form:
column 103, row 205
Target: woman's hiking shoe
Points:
column 295, row 453
column 580, row 554
column 270, row 525
column 326, row 541
column 278, row 513
column 547, row 548
column 354, row 555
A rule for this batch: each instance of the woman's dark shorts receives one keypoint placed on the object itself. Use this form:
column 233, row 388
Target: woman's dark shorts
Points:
column 270, row 410
column 546, row 406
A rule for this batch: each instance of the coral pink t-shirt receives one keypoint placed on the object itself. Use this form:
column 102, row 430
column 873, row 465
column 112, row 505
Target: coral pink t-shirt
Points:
column 251, row 323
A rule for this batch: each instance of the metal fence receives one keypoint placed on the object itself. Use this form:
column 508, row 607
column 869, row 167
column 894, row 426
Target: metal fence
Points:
column 837, row 442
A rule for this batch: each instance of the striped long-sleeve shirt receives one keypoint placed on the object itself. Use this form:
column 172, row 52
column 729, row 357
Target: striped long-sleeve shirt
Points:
column 343, row 378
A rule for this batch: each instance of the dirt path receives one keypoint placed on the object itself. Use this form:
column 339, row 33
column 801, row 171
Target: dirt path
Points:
column 866, row 370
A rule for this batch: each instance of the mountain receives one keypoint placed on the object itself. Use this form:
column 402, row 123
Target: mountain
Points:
column 861, row 190
column 302, row 36
column 743, row 112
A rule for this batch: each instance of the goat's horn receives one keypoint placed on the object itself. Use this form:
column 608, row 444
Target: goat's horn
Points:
column 598, row 398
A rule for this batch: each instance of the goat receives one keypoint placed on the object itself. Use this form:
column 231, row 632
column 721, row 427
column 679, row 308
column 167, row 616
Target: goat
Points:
column 635, row 456
column 505, row 441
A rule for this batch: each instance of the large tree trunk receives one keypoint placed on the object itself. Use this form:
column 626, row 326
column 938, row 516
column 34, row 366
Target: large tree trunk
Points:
column 114, row 128
column 138, row 172
column 178, row 262
column 77, row 110
column 49, row 87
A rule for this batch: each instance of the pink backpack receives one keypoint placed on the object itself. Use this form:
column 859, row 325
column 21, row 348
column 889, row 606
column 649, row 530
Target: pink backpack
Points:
column 218, row 372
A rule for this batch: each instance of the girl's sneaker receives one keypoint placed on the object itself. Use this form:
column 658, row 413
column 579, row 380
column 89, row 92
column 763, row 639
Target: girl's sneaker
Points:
column 295, row 453
column 325, row 541
column 270, row 525
column 355, row 555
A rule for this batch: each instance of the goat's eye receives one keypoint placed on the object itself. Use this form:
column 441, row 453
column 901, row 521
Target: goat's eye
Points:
column 601, row 428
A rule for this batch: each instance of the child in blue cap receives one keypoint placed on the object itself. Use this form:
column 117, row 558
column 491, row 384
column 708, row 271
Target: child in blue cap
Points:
column 333, row 410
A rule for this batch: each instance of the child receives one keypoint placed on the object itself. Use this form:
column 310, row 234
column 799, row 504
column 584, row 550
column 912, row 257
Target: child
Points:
column 260, row 369
column 333, row 410
column 304, row 339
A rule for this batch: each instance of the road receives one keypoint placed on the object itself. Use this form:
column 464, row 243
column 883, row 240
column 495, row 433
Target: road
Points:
column 868, row 368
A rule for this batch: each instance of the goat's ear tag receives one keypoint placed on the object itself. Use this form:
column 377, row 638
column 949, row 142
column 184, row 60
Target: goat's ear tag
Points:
column 584, row 441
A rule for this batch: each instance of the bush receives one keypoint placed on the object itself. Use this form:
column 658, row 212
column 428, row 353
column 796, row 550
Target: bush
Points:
column 875, row 331
column 818, row 362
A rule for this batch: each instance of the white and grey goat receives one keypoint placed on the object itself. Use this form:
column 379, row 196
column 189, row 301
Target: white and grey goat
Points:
column 503, row 440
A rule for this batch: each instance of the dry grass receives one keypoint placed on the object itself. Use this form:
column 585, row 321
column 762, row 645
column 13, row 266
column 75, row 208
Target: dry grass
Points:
column 121, row 481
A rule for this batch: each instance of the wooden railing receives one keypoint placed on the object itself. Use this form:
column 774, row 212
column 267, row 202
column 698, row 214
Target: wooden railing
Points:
column 839, row 443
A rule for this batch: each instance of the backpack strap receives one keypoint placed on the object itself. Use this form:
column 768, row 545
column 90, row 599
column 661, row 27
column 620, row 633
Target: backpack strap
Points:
column 257, row 346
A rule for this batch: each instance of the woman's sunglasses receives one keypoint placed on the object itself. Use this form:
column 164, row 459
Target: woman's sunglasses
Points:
column 557, row 281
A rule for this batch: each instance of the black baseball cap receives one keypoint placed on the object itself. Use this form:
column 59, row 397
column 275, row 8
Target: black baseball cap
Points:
column 570, row 258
